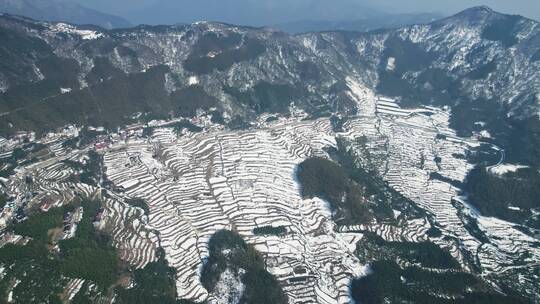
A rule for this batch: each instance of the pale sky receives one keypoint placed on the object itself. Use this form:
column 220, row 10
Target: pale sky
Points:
column 259, row 12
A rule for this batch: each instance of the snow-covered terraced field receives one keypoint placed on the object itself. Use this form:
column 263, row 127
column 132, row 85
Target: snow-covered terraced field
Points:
column 413, row 150
column 199, row 183
column 240, row 181
column 136, row 244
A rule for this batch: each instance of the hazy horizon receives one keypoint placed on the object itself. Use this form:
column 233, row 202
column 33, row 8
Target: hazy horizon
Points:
column 269, row 12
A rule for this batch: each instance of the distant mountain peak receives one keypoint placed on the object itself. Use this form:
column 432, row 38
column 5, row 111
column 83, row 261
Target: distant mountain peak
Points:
column 476, row 16
column 361, row 25
column 60, row 11
column 482, row 11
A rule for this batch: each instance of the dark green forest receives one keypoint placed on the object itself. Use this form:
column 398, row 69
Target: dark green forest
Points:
column 155, row 283
column 390, row 283
column 3, row 199
column 228, row 50
column 425, row 254
column 493, row 194
column 503, row 30
column 431, row 276
column 355, row 194
column 266, row 97
column 323, row 178
column 88, row 172
column 88, row 255
column 270, row 230
column 229, row 251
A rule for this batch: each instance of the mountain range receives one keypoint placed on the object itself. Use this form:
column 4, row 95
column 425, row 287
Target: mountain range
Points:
column 379, row 21
column 53, row 10
column 394, row 165
column 475, row 56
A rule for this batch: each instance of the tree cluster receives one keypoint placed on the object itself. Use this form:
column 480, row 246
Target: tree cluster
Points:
column 229, row 251
column 389, row 283
column 493, row 194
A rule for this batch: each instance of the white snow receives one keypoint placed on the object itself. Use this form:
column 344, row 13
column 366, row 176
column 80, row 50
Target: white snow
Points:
column 480, row 123
column 193, row 80
column 310, row 44
column 70, row 29
column 229, row 288
column 3, row 84
column 129, row 183
column 391, row 64
column 505, row 168
column 485, row 134
column 65, row 90
column 222, row 179
column 364, row 97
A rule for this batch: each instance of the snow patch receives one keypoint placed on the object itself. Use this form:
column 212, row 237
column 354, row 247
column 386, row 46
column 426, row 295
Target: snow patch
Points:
column 391, row 64
column 193, row 80
column 485, row 134
column 361, row 47
column 505, row 168
column 3, row 85
column 38, row 73
column 170, row 83
column 364, row 97
column 310, row 43
column 65, row 90
column 480, row 123
column 130, row 183
column 70, row 29
column 229, row 288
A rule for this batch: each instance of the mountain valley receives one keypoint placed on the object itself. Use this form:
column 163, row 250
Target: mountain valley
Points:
column 214, row 163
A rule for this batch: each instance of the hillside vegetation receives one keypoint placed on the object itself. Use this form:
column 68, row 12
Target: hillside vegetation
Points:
column 229, row 252
column 323, row 178
column 511, row 196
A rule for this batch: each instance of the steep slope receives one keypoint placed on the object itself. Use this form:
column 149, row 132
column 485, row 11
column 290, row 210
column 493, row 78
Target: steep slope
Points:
column 482, row 64
column 52, row 10
column 450, row 62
